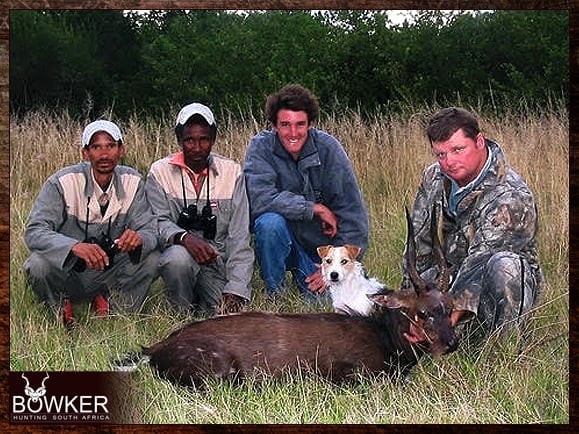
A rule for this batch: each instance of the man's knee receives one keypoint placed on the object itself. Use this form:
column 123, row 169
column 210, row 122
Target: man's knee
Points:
column 151, row 262
column 47, row 281
column 270, row 223
column 175, row 259
column 142, row 273
column 179, row 272
column 504, row 263
column 36, row 266
column 505, row 272
column 513, row 283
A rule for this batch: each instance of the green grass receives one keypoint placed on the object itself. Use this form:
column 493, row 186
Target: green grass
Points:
column 502, row 382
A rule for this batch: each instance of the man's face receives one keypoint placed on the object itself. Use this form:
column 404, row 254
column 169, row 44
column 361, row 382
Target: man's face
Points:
column 292, row 129
column 196, row 142
column 461, row 158
column 103, row 153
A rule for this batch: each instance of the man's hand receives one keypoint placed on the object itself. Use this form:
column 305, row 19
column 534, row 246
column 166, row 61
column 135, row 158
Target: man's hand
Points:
column 416, row 335
column 94, row 257
column 201, row 251
column 129, row 241
column 316, row 282
column 458, row 316
column 328, row 218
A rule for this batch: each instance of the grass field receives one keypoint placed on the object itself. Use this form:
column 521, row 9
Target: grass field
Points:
column 496, row 385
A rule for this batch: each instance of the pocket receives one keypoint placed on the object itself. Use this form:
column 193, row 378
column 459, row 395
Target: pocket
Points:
column 224, row 211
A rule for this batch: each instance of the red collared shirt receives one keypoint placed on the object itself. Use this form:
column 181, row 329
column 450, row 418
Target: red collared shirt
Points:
column 178, row 159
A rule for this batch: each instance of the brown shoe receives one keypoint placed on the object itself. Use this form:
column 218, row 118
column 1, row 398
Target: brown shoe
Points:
column 230, row 303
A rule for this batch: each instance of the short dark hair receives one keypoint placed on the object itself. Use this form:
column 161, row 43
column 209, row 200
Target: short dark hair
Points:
column 196, row 119
column 292, row 97
column 447, row 121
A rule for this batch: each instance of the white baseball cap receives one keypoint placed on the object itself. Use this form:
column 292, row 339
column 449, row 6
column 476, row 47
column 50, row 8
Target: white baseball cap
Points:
column 100, row 125
column 195, row 109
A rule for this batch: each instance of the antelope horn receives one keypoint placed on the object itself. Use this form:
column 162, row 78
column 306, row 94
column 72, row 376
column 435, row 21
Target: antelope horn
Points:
column 435, row 230
column 45, row 378
column 27, row 383
column 419, row 283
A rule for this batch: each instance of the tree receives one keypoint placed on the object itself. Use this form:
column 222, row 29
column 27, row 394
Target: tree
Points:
column 90, row 61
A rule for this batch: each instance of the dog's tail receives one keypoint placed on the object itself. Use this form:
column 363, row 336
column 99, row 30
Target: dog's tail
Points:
column 130, row 362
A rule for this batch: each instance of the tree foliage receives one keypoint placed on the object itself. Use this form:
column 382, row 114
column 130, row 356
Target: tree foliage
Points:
column 96, row 60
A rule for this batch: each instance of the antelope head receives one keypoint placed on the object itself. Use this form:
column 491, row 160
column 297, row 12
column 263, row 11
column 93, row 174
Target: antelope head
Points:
column 428, row 306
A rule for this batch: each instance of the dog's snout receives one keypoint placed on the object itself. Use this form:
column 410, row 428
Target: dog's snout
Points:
column 334, row 275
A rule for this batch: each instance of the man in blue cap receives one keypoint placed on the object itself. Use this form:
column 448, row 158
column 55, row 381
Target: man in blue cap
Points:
column 91, row 232
column 200, row 201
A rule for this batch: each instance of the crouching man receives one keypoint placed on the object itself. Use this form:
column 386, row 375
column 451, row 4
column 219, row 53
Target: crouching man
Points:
column 91, row 232
column 489, row 227
column 201, row 204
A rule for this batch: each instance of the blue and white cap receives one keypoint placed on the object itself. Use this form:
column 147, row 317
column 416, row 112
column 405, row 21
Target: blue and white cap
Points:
column 195, row 109
column 97, row 126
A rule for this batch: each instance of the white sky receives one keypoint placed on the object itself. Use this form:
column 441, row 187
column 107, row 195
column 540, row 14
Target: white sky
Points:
column 396, row 16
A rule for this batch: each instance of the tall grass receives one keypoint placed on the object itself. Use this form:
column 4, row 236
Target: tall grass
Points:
column 500, row 384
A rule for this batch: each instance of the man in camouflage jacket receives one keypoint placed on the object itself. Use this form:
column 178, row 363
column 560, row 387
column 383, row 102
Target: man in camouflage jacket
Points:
column 489, row 224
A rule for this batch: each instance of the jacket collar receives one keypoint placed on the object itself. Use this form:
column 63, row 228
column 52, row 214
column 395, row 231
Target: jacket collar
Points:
column 89, row 189
column 309, row 157
column 178, row 159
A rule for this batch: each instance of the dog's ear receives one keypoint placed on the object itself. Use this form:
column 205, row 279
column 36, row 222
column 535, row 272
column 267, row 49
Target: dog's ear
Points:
column 352, row 250
column 323, row 251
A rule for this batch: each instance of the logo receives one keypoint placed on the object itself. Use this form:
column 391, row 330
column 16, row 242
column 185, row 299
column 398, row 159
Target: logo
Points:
column 59, row 397
column 35, row 395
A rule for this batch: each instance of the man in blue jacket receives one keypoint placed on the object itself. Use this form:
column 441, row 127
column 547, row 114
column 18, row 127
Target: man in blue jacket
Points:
column 303, row 193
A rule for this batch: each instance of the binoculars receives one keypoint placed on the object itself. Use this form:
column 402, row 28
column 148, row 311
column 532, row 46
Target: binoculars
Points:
column 105, row 243
column 205, row 222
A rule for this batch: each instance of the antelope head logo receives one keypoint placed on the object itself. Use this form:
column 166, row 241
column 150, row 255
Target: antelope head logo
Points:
column 35, row 394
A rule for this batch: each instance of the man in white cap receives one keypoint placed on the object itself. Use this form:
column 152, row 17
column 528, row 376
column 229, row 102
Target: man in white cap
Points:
column 91, row 232
column 200, row 200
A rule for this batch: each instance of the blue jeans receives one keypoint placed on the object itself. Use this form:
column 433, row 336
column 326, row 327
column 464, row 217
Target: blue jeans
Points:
column 277, row 251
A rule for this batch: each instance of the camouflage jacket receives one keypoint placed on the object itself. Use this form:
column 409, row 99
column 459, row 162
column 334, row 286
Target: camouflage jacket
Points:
column 499, row 214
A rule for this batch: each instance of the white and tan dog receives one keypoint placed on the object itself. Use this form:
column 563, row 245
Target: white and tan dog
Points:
column 347, row 281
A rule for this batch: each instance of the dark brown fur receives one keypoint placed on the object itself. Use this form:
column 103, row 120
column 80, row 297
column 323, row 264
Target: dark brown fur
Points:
column 336, row 346
column 262, row 344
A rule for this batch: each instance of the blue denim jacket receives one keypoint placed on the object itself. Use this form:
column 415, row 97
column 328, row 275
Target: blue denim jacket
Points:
column 323, row 174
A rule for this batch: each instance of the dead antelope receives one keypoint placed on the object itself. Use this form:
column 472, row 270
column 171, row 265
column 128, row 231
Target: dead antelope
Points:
column 334, row 345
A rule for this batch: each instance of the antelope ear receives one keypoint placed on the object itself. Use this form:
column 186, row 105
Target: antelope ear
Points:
column 323, row 251
column 352, row 250
column 394, row 300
